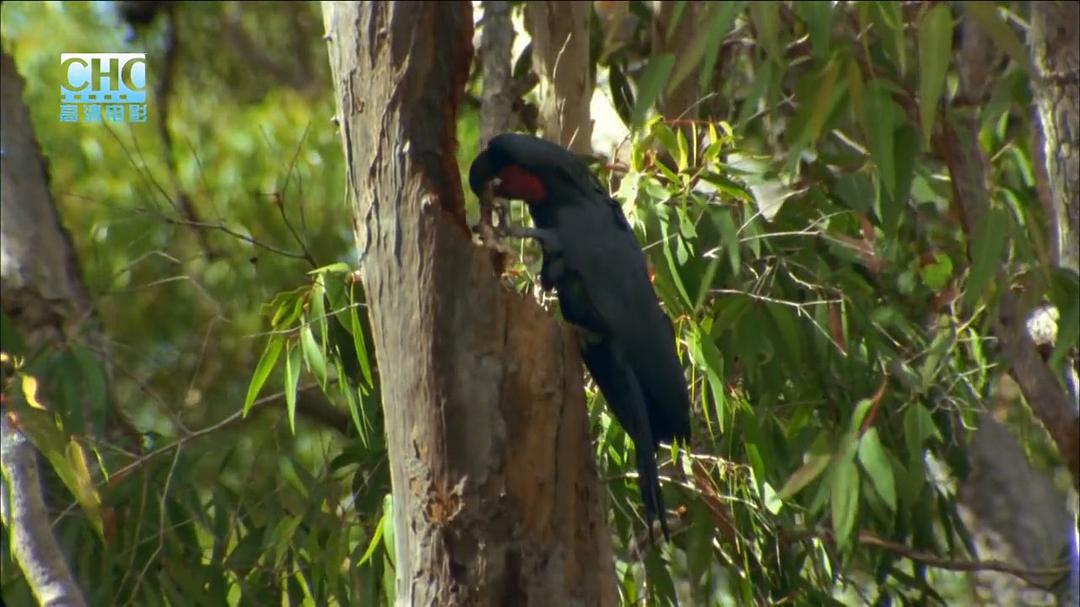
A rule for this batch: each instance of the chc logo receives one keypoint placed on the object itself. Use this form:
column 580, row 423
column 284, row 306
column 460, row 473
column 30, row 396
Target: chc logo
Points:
column 103, row 86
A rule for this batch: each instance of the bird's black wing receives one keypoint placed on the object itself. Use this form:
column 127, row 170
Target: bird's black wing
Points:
column 618, row 301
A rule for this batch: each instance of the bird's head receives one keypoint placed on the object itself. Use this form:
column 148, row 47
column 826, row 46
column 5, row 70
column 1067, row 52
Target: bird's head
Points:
column 526, row 168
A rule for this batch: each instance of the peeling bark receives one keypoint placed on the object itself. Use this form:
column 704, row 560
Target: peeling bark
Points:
column 496, row 497
column 560, row 37
column 1055, row 54
column 43, row 294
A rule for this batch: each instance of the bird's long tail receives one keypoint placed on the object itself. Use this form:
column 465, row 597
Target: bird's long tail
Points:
column 649, row 482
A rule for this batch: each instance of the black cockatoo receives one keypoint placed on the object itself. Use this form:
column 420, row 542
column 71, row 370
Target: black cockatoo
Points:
column 592, row 258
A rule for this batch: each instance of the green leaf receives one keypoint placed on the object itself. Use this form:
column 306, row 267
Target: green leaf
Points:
column 986, row 248
column 292, row 380
column 918, row 428
column 875, row 461
column 936, row 275
column 651, row 85
column 812, row 467
column 889, row 17
column 825, row 99
column 357, row 331
column 1066, row 296
column 859, row 414
column 375, row 539
column 722, row 21
column 882, row 110
column 844, row 499
column 817, row 14
column 262, row 370
column 935, row 53
column 706, row 42
column 335, row 268
column 987, row 15
column 766, row 18
column 313, row 355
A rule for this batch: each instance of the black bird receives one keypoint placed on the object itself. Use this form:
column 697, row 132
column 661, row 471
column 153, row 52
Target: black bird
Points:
column 592, row 258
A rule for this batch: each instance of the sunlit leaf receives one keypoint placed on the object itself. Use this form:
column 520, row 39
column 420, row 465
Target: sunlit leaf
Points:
column 313, row 355
column 844, row 499
column 651, row 85
column 30, row 392
column 875, row 461
column 935, row 53
column 292, row 380
column 987, row 246
column 262, row 370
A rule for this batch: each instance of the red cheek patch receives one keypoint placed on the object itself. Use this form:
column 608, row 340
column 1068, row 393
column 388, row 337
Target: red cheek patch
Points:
column 519, row 183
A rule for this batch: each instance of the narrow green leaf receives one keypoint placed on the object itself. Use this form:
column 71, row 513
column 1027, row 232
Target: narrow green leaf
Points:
column 766, row 18
column 986, row 248
column 935, row 53
column 705, row 39
column 918, row 428
column 375, row 540
column 359, row 343
column 651, row 84
column 987, row 15
column 292, row 380
column 825, row 100
column 676, row 15
column 812, row 467
column 875, row 461
column 859, row 414
column 881, row 111
column 844, row 499
column 817, row 15
column 722, row 22
column 262, row 370
column 669, row 245
column 335, row 268
column 82, row 486
column 313, row 355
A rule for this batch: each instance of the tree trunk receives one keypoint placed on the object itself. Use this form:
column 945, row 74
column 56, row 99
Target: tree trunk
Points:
column 496, row 48
column 43, row 294
column 1055, row 54
column 560, row 58
column 496, row 498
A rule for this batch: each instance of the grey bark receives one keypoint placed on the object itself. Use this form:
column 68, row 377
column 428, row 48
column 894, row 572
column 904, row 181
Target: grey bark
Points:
column 1014, row 503
column 496, row 46
column 560, row 37
column 496, row 498
column 42, row 292
column 1055, row 53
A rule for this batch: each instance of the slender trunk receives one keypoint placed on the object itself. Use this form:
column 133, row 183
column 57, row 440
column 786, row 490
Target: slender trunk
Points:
column 496, row 498
column 560, row 38
column 43, row 294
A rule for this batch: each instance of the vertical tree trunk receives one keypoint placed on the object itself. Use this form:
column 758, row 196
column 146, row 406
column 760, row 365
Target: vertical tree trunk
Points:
column 43, row 294
column 496, row 46
column 560, row 56
column 496, row 499
column 1055, row 54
